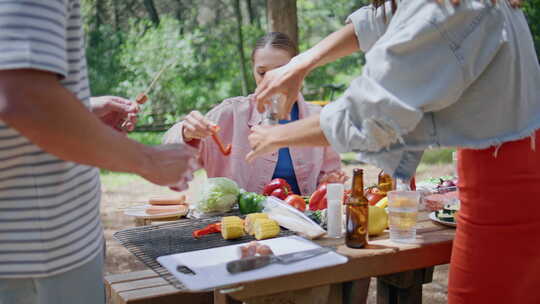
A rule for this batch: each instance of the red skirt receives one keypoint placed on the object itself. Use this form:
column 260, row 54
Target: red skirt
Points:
column 496, row 252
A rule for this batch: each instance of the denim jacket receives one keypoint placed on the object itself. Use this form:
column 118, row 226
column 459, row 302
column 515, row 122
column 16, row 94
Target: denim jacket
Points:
column 437, row 76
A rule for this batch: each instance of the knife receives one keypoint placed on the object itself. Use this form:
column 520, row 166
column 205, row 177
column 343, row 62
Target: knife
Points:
column 256, row 262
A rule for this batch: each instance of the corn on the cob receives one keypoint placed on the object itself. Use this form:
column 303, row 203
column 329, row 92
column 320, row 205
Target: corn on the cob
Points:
column 266, row 228
column 231, row 219
column 250, row 221
column 232, row 227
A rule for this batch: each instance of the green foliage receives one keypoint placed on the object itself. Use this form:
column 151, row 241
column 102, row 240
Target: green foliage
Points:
column 532, row 11
column 316, row 20
column 103, row 55
column 201, row 46
column 147, row 138
column 438, row 156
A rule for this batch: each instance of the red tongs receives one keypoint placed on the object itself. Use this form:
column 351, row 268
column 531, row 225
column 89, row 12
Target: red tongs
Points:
column 225, row 150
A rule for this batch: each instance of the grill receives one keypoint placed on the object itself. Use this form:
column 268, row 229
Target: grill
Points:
column 148, row 243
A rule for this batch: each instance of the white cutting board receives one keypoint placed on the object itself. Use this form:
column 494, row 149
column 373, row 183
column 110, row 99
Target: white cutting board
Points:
column 210, row 270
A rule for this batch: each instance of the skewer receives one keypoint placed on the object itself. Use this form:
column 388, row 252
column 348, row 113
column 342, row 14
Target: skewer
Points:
column 142, row 98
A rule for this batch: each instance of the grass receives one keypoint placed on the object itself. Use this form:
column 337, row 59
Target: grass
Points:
column 117, row 179
column 147, row 138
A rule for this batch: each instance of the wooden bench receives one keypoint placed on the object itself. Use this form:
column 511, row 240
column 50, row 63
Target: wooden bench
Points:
column 401, row 270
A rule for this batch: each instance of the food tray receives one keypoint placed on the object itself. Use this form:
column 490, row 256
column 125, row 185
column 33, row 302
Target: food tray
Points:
column 148, row 243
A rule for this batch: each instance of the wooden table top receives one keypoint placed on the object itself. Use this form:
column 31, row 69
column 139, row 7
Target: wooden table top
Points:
column 432, row 247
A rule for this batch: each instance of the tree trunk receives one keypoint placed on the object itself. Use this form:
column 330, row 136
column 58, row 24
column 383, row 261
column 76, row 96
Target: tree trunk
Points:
column 99, row 11
column 254, row 18
column 116, row 12
column 240, row 45
column 152, row 11
column 281, row 15
column 251, row 13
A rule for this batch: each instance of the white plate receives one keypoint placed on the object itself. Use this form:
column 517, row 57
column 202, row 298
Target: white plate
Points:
column 433, row 217
column 140, row 212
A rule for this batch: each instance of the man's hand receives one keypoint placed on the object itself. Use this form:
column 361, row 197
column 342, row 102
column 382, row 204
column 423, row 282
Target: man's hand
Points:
column 112, row 111
column 168, row 165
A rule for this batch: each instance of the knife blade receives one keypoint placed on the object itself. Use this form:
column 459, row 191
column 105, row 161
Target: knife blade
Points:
column 256, row 262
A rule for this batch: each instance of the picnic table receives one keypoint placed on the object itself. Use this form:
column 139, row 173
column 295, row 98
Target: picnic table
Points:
column 400, row 269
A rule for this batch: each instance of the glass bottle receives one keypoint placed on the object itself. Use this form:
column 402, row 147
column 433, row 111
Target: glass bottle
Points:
column 385, row 183
column 357, row 213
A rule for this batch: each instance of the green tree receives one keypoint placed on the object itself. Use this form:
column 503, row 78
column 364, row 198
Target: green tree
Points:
column 532, row 11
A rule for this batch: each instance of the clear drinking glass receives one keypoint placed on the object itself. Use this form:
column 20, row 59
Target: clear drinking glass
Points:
column 402, row 215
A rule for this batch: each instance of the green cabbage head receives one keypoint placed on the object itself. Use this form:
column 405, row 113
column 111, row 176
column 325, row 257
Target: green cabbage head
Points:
column 219, row 194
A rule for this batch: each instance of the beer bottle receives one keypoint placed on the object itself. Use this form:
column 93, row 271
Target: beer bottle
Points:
column 357, row 213
column 385, row 183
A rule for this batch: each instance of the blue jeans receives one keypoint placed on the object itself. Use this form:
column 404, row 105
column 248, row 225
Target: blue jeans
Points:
column 82, row 285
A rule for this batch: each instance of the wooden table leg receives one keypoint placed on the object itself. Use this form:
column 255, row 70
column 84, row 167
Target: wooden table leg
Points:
column 404, row 287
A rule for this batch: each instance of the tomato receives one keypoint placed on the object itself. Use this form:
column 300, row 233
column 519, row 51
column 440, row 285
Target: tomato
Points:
column 318, row 200
column 296, row 201
column 374, row 195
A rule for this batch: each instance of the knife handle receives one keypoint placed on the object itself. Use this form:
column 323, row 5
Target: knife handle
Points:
column 249, row 263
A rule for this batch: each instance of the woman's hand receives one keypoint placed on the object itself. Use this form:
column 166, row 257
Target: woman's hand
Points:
column 113, row 110
column 286, row 80
column 196, row 126
column 334, row 177
column 262, row 141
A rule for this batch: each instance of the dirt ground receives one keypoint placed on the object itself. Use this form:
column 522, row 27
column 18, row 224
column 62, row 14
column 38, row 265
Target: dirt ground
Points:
column 137, row 191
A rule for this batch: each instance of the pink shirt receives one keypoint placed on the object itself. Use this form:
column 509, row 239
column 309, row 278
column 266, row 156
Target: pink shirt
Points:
column 236, row 116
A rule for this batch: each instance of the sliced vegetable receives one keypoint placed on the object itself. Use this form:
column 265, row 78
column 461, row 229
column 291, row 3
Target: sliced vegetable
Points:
column 232, row 227
column 265, row 228
column 224, row 150
column 212, row 228
column 249, row 223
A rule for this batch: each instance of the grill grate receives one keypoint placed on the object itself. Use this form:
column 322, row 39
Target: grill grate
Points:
column 148, row 243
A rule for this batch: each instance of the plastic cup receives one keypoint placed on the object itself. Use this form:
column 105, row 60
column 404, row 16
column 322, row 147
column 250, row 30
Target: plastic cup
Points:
column 402, row 215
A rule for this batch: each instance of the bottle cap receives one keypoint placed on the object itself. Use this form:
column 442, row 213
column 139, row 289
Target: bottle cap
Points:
column 334, row 192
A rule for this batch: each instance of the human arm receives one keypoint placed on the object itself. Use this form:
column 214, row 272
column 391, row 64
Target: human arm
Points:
column 36, row 105
column 379, row 108
column 288, row 79
column 306, row 132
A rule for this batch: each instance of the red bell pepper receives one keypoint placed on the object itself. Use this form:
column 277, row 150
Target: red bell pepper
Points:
column 277, row 183
column 224, row 150
column 212, row 228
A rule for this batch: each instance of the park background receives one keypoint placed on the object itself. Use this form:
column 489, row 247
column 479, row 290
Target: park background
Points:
column 208, row 44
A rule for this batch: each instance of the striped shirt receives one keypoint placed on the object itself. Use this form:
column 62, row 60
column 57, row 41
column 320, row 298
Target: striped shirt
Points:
column 49, row 208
